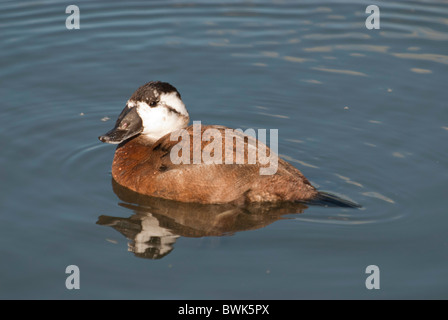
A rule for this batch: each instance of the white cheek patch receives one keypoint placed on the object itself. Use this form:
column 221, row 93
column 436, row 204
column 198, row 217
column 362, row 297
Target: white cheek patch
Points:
column 151, row 117
column 143, row 105
column 159, row 120
column 172, row 100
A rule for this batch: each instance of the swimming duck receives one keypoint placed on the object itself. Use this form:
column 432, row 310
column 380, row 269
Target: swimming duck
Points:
column 144, row 162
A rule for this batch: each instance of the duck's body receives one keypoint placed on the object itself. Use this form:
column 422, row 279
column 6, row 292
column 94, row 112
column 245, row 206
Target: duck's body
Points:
column 146, row 167
column 143, row 161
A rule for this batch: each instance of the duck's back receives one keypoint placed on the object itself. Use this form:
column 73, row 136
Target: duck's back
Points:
column 210, row 171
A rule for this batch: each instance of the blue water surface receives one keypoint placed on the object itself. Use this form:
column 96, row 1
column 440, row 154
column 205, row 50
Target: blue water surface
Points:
column 362, row 113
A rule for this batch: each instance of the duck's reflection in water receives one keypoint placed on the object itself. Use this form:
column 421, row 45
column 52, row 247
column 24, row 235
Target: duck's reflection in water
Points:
column 157, row 223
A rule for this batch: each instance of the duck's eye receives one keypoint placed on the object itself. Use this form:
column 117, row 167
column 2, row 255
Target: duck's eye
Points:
column 152, row 104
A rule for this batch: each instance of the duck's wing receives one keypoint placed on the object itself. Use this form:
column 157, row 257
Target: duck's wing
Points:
column 197, row 164
column 224, row 165
column 209, row 145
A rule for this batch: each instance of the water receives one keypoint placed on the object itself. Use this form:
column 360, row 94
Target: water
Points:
column 362, row 113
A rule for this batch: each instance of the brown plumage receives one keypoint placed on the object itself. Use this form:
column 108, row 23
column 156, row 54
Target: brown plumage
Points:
column 146, row 167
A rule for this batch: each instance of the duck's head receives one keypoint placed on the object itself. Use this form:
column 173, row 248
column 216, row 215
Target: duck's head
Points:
column 154, row 110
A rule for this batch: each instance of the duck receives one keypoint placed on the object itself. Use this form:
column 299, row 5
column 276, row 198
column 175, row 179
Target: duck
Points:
column 157, row 156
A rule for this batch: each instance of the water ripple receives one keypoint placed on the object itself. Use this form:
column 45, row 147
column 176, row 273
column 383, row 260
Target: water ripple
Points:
column 283, row 48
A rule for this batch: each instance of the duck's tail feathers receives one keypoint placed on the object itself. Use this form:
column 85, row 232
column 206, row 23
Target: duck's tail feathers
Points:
column 329, row 200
